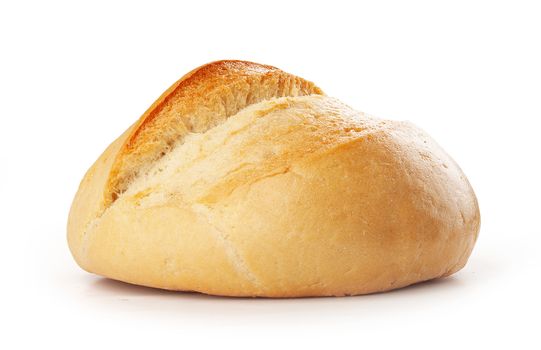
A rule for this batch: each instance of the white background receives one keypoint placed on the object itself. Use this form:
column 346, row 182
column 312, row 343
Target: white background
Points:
column 73, row 76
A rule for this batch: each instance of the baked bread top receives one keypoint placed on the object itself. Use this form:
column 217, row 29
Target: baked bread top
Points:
column 199, row 101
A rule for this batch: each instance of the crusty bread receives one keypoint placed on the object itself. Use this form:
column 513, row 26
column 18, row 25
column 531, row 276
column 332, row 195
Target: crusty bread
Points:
column 243, row 180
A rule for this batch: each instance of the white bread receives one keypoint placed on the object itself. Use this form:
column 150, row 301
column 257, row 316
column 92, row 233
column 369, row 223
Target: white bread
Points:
column 243, row 180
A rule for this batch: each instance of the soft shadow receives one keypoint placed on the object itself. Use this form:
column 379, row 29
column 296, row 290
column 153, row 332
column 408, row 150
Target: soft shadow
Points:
column 118, row 288
column 114, row 288
column 111, row 294
column 435, row 284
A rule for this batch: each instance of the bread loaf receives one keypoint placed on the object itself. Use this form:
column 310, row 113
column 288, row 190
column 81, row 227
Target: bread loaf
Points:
column 244, row 180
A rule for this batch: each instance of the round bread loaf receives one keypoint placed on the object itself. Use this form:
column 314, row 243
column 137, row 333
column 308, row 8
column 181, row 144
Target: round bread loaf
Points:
column 243, row 180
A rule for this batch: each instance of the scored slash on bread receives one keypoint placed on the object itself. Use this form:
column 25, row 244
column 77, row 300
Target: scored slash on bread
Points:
column 197, row 102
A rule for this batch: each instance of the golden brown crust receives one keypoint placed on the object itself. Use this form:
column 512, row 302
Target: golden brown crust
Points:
column 288, row 197
column 198, row 101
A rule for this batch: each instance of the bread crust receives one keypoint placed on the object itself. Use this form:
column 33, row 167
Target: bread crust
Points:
column 287, row 197
column 199, row 100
